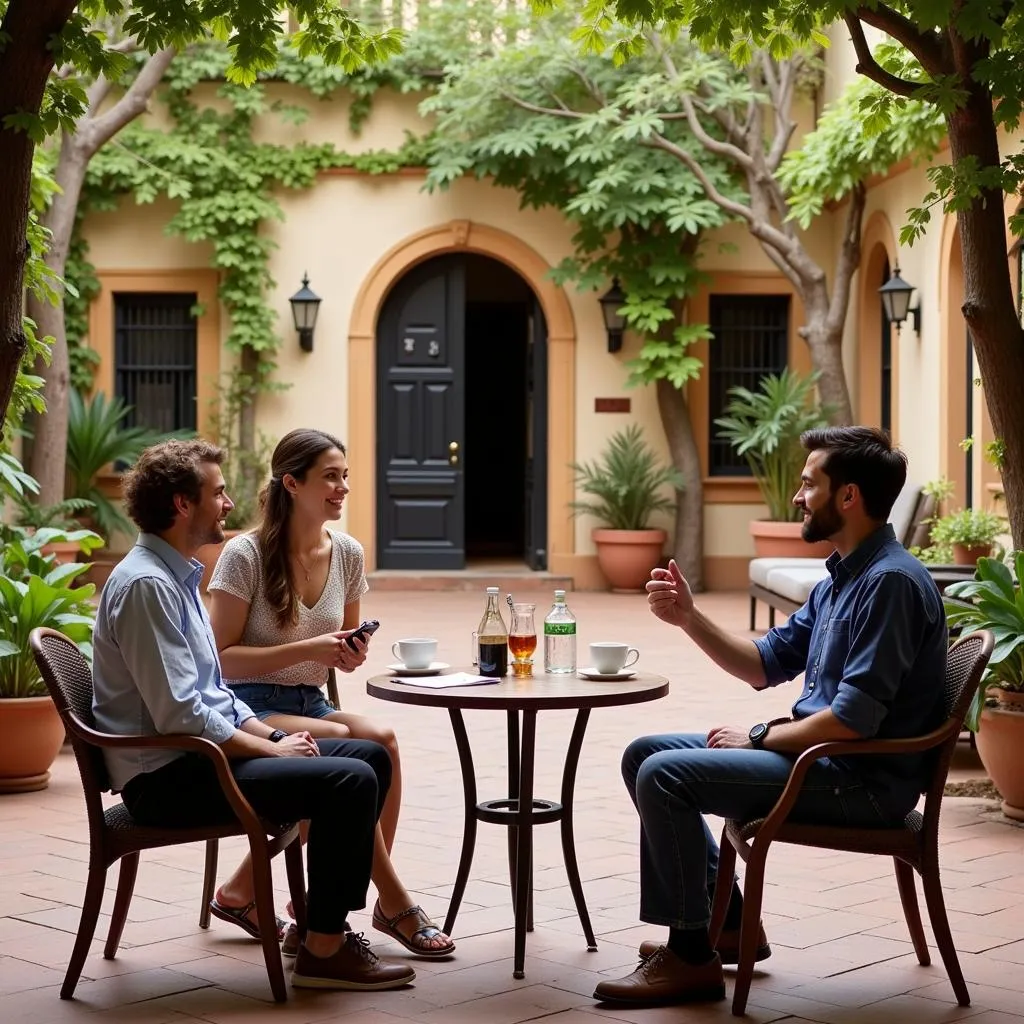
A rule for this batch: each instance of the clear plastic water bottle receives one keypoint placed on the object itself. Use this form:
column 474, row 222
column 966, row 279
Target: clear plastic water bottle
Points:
column 560, row 638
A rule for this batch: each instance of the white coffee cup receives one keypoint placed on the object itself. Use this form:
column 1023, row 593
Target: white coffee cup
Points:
column 415, row 652
column 609, row 658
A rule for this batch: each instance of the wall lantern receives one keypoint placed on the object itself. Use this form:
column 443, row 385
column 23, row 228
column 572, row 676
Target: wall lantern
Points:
column 614, row 321
column 305, row 306
column 896, row 301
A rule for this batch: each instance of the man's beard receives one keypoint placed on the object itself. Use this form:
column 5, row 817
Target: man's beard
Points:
column 214, row 534
column 823, row 524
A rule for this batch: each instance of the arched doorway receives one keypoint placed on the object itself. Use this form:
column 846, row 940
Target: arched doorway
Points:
column 461, row 361
column 957, row 375
column 464, row 239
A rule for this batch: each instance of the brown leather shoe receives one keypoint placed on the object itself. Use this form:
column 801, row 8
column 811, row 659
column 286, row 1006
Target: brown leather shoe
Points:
column 728, row 948
column 354, row 966
column 663, row 979
column 290, row 942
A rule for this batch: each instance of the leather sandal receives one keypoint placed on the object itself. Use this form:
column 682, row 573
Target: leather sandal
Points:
column 240, row 917
column 426, row 928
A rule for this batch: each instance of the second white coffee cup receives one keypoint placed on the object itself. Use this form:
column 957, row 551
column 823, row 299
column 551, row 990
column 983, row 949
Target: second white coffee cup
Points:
column 608, row 657
column 415, row 652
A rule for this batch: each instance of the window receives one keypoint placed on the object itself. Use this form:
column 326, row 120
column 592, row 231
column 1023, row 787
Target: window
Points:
column 155, row 358
column 750, row 338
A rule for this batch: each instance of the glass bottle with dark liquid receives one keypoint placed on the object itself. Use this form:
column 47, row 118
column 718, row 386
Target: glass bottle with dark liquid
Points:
column 492, row 639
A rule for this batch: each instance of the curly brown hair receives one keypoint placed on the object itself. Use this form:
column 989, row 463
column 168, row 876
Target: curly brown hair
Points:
column 162, row 472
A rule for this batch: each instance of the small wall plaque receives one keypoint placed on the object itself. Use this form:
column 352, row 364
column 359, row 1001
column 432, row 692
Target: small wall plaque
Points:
column 611, row 404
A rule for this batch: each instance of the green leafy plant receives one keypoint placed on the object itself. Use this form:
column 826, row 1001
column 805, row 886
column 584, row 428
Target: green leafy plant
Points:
column 764, row 427
column 992, row 600
column 627, row 483
column 39, row 594
column 971, row 527
column 97, row 437
column 63, row 515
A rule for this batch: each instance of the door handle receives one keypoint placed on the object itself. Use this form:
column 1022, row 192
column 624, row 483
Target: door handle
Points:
column 453, row 453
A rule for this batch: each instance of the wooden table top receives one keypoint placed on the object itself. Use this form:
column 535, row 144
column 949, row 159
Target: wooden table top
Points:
column 541, row 691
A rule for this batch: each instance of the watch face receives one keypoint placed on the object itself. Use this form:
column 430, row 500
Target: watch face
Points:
column 757, row 733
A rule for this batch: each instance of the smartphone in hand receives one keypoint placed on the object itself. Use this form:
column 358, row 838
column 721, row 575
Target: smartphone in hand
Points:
column 363, row 632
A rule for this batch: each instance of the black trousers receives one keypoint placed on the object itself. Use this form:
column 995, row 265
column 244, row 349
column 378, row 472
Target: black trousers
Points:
column 340, row 793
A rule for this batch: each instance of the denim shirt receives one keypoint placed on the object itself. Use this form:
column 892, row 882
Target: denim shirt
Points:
column 872, row 641
column 156, row 670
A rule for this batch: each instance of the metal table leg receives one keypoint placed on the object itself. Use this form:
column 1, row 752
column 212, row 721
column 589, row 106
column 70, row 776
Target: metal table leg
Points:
column 469, row 826
column 572, row 757
column 513, row 795
column 524, row 844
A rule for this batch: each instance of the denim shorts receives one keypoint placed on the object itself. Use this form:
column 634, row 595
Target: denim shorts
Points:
column 266, row 700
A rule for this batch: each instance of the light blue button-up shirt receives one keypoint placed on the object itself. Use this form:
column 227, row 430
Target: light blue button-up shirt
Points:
column 155, row 664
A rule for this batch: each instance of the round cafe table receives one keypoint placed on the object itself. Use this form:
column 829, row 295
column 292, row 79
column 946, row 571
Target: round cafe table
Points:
column 519, row 811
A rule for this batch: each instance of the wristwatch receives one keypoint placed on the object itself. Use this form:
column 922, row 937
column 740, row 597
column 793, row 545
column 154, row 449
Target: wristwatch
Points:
column 277, row 735
column 758, row 733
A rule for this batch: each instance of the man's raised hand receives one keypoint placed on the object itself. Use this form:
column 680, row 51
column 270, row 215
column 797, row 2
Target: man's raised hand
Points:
column 668, row 595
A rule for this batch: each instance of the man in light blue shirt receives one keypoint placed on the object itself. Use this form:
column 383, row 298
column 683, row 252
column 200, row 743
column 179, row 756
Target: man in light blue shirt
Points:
column 872, row 644
column 156, row 672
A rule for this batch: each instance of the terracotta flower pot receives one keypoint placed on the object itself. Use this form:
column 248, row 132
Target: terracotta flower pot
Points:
column 968, row 554
column 1000, row 741
column 33, row 734
column 782, row 540
column 64, row 551
column 626, row 557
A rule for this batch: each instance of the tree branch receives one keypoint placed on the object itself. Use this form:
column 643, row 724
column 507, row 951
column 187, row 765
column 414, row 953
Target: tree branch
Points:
column 536, row 108
column 785, row 126
column 869, row 67
column 101, row 129
column 925, row 46
column 848, row 258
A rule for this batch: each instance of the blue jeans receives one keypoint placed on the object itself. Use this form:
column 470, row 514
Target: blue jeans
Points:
column 675, row 779
column 265, row 700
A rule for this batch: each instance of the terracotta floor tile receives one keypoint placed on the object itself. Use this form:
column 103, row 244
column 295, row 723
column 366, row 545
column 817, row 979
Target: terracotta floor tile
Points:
column 831, row 916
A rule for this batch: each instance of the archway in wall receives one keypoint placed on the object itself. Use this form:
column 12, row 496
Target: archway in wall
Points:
column 461, row 243
column 877, row 362
column 461, row 358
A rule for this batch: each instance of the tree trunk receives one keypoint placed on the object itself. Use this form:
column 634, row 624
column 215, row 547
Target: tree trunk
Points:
column 49, row 446
column 825, row 342
column 988, row 308
column 28, row 27
column 688, row 538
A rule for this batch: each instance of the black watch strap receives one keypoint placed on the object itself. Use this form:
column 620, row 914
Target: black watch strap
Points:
column 277, row 735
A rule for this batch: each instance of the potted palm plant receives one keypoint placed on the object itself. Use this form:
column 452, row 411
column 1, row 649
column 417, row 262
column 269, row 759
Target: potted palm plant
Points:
column 628, row 487
column 993, row 600
column 35, row 590
column 764, row 427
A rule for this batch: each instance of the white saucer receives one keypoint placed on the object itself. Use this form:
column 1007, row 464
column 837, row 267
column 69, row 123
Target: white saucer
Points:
column 606, row 677
column 431, row 670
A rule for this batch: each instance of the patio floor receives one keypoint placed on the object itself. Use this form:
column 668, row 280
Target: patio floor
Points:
column 841, row 950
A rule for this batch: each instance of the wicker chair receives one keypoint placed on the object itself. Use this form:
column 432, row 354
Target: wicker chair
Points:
column 113, row 835
column 913, row 846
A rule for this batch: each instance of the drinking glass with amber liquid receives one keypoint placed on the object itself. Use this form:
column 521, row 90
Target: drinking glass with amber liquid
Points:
column 522, row 640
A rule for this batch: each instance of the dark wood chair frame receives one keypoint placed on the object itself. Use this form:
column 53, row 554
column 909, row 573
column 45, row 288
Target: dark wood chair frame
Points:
column 913, row 846
column 114, row 836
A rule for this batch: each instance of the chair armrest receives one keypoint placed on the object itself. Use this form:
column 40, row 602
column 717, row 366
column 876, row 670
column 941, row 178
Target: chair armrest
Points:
column 190, row 744
column 777, row 816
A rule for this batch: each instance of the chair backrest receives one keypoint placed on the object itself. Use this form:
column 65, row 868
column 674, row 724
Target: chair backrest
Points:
column 69, row 679
column 965, row 663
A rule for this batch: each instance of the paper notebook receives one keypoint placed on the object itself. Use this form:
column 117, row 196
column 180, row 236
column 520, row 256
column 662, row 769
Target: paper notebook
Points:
column 443, row 682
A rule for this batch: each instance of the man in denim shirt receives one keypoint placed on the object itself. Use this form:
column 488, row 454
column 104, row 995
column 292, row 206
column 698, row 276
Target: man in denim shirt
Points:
column 871, row 641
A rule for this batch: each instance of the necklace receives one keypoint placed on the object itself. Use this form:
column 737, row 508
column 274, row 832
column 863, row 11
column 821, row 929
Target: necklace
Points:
column 305, row 568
